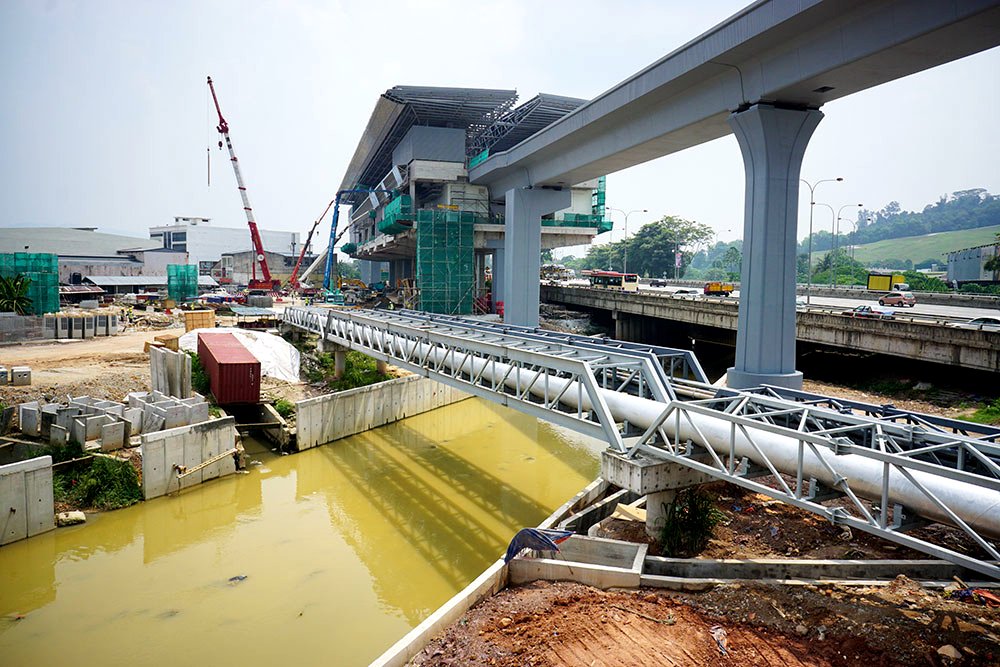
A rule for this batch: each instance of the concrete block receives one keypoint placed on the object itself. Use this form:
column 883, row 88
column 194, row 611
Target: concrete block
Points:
column 78, row 432
column 136, row 399
column 94, row 425
column 197, row 413
column 4, row 376
column 157, row 396
column 88, row 326
column 65, row 416
column 646, row 475
column 50, row 327
column 116, row 410
column 64, row 327
column 152, row 420
column 134, row 417
column 77, row 327
column 112, row 436
column 28, row 417
column 175, row 416
column 58, row 436
column 20, row 376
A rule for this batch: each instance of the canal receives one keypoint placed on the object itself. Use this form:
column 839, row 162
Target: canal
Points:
column 324, row 557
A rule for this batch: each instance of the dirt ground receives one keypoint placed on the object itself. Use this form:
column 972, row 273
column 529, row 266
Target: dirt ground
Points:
column 550, row 624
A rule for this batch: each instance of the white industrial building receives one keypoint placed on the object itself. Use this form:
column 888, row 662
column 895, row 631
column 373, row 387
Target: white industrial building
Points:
column 205, row 243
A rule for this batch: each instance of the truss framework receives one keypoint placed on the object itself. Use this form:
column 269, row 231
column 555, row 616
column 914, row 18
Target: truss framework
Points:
column 533, row 370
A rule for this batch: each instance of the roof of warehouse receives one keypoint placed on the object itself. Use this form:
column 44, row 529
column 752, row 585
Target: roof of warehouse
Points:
column 69, row 241
column 125, row 281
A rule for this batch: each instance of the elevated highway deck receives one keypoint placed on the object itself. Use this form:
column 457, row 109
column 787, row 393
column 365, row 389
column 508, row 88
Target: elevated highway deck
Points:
column 907, row 336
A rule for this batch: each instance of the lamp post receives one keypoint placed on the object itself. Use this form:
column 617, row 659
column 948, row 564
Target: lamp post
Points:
column 836, row 240
column 812, row 202
column 625, row 246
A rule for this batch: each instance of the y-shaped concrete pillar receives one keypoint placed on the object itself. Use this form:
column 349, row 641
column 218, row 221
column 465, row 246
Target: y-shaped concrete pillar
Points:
column 523, row 249
column 773, row 141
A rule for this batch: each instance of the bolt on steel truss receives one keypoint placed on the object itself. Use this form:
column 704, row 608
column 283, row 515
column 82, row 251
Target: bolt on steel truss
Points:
column 538, row 377
column 889, row 478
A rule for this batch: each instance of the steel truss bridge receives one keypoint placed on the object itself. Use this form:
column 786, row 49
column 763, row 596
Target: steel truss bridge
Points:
column 874, row 468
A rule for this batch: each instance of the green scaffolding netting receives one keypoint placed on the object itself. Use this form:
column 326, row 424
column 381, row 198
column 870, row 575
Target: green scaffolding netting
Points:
column 444, row 262
column 42, row 270
column 182, row 282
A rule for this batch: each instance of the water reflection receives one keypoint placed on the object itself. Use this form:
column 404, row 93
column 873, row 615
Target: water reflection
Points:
column 343, row 548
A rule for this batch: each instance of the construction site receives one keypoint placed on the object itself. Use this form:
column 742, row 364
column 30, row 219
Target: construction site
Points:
column 218, row 437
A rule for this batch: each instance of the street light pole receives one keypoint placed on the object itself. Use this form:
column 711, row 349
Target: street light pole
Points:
column 625, row 246
column 836, row 241
column 812, row 202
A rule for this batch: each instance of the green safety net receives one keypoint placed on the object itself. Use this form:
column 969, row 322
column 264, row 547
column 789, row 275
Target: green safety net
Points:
column 182, row 282
column 444, row 266
column 42, row 270
column 349, row 248
column 397, row 216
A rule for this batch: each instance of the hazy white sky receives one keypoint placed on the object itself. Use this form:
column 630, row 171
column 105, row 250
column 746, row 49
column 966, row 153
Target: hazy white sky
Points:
column 105, row 117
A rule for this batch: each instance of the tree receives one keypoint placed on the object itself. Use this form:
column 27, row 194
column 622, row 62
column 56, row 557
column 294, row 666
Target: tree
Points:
column 14, row 295
column 654, row 249
column 546, row 257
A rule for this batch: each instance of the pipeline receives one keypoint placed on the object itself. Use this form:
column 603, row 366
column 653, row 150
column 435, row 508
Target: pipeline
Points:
column 977, row 506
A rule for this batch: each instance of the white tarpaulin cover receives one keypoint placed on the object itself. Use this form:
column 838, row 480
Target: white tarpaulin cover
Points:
column 277, row 357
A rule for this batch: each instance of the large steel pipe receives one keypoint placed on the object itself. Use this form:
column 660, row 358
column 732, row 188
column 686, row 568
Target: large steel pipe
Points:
column 977, row 506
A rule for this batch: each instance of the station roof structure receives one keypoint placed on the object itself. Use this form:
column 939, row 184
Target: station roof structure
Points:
column 487, row 115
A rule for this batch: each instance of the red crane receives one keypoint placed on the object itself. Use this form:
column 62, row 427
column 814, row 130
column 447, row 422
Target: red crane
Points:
column 293, row 281
column 267, row 283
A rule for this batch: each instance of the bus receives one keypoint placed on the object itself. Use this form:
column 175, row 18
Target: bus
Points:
column 628, row 282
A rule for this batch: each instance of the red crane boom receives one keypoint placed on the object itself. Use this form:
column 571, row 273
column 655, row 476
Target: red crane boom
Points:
column 267, row 283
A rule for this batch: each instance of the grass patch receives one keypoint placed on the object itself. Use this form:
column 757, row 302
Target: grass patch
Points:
column 359, row 371
column 199, row 378
column 687, row 523
column 284, row 408
column 107, row 484
column 986, row 414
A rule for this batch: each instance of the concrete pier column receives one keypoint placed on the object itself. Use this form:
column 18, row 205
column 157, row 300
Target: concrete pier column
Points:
column 498, row 274
column 339, row 362
column 524, row 208
column 773, row 141
column 656, row 479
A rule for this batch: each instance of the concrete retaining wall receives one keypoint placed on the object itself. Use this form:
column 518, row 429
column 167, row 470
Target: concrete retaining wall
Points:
column 187, row 446
column 328, row 418
column 26, row 506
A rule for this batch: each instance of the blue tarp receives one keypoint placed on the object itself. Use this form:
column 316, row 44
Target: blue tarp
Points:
column 540, row 539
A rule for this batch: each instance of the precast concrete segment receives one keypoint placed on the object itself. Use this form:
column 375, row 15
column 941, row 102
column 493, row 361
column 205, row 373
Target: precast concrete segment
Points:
column 979, row 507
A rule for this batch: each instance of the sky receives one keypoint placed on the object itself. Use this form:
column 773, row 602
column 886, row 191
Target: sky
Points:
column 105, row 118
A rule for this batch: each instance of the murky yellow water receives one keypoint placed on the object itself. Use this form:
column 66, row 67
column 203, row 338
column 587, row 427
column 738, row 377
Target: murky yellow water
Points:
column 344, row 548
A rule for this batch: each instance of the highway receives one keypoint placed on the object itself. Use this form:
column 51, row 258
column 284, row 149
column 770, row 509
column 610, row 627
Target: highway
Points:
column 931, row 311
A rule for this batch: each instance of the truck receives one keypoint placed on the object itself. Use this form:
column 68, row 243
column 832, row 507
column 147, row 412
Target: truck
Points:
column 716, row 288
column 887, row 282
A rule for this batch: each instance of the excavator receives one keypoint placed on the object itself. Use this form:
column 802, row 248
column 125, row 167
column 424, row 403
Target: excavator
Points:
column 266, row 283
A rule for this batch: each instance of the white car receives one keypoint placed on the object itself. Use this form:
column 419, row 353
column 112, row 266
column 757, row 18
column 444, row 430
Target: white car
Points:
column 981, row 323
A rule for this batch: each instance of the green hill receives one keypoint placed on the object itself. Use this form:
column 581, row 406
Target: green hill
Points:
column 921, row 248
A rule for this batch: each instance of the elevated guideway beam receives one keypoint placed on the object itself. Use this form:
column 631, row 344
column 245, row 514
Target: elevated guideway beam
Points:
column 762, row 74
column 887, row 474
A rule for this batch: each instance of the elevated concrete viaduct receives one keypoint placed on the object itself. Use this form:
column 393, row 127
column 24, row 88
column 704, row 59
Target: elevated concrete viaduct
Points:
column 762, row 75
column 975, row 350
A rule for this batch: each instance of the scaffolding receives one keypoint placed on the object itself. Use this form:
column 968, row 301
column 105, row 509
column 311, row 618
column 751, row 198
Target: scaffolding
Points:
column 445, row 259
column 42, row 270
column 182, row 282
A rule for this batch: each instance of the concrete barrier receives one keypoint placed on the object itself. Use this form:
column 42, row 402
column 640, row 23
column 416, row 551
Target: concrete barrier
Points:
column 26, row 505
column 328, row 418
column 187, row 448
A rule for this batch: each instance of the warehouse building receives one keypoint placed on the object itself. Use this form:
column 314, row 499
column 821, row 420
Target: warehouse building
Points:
column 969, row 265
column 205, row 243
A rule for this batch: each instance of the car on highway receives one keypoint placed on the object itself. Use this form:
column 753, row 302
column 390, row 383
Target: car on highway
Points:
column 657, row 282
column 871, row 312
column 898, row 299
column 981, row 323
column 686, row 291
